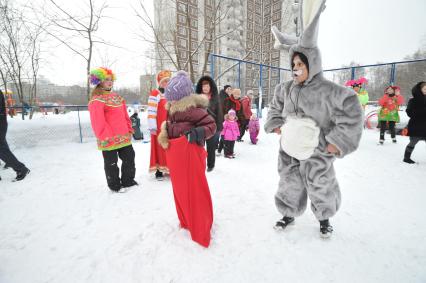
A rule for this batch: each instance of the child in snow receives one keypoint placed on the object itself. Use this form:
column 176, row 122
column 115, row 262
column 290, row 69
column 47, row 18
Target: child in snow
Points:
column 157, row 114
column 136, row 125
column 388, row 114
column 113, row 130
column 230, row 133
column 416, row 110
column 357, row 86
column 318, row 121
column 234, row 102
column 254, row 128
column 182, row 136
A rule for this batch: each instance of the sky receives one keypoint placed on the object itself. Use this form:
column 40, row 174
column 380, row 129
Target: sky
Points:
column 363, row 31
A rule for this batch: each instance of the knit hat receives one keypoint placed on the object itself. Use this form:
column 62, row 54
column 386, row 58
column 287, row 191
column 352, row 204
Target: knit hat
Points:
column 232, row 112
column 100, row 74
column 178, row 87
column 163, row 75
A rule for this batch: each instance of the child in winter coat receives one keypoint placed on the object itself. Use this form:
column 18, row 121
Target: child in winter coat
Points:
column 230, row 133
column 113, row 130
column 416, row 110
column 254, row 128
column 388, row 114
column 182, row 136
column 136, row 125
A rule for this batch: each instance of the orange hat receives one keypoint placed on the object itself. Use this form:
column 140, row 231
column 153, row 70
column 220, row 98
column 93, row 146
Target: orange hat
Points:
column 162, row 75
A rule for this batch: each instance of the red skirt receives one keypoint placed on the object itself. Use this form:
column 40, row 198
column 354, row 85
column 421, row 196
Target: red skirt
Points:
column 187, row 164
column 158, row 159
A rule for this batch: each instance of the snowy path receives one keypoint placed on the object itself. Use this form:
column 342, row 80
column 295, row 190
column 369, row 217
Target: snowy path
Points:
column 61, row 224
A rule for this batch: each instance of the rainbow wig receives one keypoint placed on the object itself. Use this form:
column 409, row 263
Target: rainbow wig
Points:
column 100, row 74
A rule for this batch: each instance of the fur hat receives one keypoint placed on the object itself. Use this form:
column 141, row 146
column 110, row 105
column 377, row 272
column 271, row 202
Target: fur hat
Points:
column 100, row 74
column 163, row 75
column 178, row 87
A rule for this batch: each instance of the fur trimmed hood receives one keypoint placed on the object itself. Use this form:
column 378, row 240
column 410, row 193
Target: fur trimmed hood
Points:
column 194, row 100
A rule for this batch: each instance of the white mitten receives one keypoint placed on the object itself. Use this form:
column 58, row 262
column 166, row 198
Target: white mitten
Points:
column 299, row 137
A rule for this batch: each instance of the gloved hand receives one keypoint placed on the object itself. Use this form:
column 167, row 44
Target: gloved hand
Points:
column 196, row 135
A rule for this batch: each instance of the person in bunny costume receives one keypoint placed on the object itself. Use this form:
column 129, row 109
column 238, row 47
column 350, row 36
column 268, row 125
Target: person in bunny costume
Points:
column 318, row 121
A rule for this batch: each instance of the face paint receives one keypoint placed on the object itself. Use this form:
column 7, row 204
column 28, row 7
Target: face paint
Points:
column 297, row 73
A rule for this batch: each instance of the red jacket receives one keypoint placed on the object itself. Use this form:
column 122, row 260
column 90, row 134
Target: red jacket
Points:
column 110, row 121
column 246, row 103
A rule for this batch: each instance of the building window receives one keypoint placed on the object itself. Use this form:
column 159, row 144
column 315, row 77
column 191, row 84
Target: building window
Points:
column 183, row 43
column 181, row 19
column 181, row 7
column 277, row 6
column 276, row 16
column 182, row 31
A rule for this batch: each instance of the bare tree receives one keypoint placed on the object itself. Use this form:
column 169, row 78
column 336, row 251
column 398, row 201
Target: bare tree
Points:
column 71, row 26
column 167, row 40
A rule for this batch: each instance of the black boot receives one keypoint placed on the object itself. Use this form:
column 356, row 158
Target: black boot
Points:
column 283, row 223
column 159, row 175
column 407, row 155
column 325, row 229
column 21, row 174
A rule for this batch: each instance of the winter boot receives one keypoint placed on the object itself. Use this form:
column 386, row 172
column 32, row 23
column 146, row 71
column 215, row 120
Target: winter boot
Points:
column 283, row 223
column 20, row 175
column 159, row 176
column 394, row 140
column 325, row 229
column 381, row 141
column 407, row 155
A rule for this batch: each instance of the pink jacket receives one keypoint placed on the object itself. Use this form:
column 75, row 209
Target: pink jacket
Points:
column 230, row 130
column 110, row 121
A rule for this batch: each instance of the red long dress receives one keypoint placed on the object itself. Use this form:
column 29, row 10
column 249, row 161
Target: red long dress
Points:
column 158, row 155
column 187, row 163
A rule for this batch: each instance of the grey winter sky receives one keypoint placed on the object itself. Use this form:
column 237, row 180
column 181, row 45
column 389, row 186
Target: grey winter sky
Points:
column 364, row 31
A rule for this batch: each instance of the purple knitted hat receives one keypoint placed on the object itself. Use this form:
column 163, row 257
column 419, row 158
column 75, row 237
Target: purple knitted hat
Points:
column 231, row 112
column 178, row 87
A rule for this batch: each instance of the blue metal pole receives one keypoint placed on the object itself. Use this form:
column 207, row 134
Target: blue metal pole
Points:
column 239, row 74
column 259, row 104
column 79, row 124
column 352, row 73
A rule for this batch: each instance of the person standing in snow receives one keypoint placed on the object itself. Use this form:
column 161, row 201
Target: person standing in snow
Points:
column 5, row 154
column 388, row 114
column 246, row 105
column 360, row 91
column 230, row 133
column 254, row 128
column 157, row 114
column 318, row 121
column 234, row 102
column 182, row 136
column 113, row 130
column 207, row 87
column 136, row 125
column 416, row 110
column 224, row 94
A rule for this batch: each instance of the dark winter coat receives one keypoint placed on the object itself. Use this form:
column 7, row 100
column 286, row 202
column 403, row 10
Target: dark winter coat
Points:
column 416, row 110
column 185, row 114
column 136, row 125
column 3, row 118
column 222, row 96
column 215, row 108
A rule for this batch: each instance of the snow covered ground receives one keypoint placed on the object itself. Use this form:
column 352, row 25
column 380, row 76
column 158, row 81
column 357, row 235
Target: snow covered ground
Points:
column 61, row 224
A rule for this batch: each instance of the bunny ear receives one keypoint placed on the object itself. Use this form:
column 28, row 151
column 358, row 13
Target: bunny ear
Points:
column 309, row 37
column 282, row 40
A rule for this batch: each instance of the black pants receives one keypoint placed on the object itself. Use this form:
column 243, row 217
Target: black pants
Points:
column 211, row 148
column 243, row 126
column 6, row 155
column 128, row 170
column 383, row 129
column 220, row 147
column 410, row 147
column 229, row 147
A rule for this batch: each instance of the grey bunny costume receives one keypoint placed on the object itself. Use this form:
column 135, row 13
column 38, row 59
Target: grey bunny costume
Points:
column 335, row 111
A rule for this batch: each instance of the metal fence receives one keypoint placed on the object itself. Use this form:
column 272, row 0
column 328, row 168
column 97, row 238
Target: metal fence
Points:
column 49, row 125
column 262, row 78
